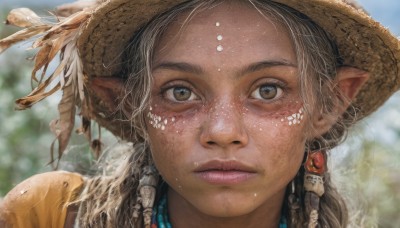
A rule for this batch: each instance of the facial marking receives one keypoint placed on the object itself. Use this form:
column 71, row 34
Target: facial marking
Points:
column 157, row 121
column 219, row 38
column 295, row 118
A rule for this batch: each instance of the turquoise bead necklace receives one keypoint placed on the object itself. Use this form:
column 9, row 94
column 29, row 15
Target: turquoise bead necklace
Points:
column 160, row 217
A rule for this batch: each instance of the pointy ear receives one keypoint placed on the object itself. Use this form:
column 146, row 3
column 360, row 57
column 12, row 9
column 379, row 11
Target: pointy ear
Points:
column 108, row 90
column 349, row 81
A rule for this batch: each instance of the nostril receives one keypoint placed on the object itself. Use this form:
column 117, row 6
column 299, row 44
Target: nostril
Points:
column 236, row 142
column 211, row 143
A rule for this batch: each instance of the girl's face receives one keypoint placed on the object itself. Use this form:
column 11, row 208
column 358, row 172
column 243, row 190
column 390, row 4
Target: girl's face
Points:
column 226, row 124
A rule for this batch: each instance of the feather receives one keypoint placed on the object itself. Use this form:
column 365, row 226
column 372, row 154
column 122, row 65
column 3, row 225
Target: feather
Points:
column 79, row 5
column 63, row 127
column 23, row 17
column 22, row 35
column 51, row 39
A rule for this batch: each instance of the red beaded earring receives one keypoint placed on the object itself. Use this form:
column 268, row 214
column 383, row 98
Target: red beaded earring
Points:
column 315, row 168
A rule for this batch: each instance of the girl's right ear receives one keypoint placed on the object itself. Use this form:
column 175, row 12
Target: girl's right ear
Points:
column 108, row 90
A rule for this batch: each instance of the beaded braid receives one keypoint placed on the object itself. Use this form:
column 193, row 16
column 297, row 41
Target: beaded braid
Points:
column 330, row 210
column 315, row 167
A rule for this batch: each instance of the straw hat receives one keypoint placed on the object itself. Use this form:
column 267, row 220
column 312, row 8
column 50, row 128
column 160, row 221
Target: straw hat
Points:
column 105, row 27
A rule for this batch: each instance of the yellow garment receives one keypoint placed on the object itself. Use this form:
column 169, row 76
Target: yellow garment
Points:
column 40, row 201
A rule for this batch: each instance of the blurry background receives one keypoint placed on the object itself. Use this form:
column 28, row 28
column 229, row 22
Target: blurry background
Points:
column 366, row 168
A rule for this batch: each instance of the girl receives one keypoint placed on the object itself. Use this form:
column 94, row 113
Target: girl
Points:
column 230, row 108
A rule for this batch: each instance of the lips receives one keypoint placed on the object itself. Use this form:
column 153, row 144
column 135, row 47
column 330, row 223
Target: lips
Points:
column 225, row 172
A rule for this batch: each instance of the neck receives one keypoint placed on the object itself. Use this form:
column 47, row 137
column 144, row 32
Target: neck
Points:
column 183, row 214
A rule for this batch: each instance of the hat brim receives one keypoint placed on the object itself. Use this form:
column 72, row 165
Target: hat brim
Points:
column 362, row 42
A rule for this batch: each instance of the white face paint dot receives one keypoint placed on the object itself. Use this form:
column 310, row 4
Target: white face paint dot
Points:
column 295, row 118
column 217, row 24
column 156, row 121
column 219, row 69
column 220, row 48
column 219, row 37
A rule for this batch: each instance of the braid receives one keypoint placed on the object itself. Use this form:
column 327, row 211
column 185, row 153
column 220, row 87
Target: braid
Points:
column 330, row 211
column 108, row 201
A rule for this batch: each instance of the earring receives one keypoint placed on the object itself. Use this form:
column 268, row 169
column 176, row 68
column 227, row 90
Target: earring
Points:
column 315, row 168
column 147, row 192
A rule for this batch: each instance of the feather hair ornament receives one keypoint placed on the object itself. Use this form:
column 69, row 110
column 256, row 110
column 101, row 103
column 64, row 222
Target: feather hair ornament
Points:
column 51, row 40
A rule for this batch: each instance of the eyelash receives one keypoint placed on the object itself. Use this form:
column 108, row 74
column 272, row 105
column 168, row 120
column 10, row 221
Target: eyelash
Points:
column 173, row 85
column 281, row 89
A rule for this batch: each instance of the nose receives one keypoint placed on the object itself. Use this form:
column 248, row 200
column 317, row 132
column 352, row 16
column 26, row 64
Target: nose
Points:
column 224, row 128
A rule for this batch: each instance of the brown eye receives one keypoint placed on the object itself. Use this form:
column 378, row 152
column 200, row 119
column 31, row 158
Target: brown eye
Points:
column 267, row 92
column 180, row 94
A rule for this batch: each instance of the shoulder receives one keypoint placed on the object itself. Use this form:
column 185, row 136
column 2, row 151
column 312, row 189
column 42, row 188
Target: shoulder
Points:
column 41, row 200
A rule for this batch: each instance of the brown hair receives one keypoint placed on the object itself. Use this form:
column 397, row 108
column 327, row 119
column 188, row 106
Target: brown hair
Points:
column 112, row 201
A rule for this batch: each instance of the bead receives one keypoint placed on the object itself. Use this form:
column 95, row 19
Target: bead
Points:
column 314, row 183
column 315, row 163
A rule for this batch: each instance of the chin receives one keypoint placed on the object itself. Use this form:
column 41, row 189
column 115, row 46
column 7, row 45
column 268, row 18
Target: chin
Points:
column 227, row 205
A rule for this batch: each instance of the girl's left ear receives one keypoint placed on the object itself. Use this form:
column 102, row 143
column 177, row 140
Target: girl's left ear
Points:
column 349, row 80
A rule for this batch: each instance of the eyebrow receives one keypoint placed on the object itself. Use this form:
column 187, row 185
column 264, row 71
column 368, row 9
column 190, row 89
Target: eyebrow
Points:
column 265, row 64
column 196, row 69
column 180, row 66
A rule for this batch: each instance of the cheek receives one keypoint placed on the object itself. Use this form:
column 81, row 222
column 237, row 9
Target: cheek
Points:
column 280, row 144
column 171, row 144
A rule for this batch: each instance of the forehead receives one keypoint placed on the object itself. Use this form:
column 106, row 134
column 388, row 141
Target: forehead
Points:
column 237, row 27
